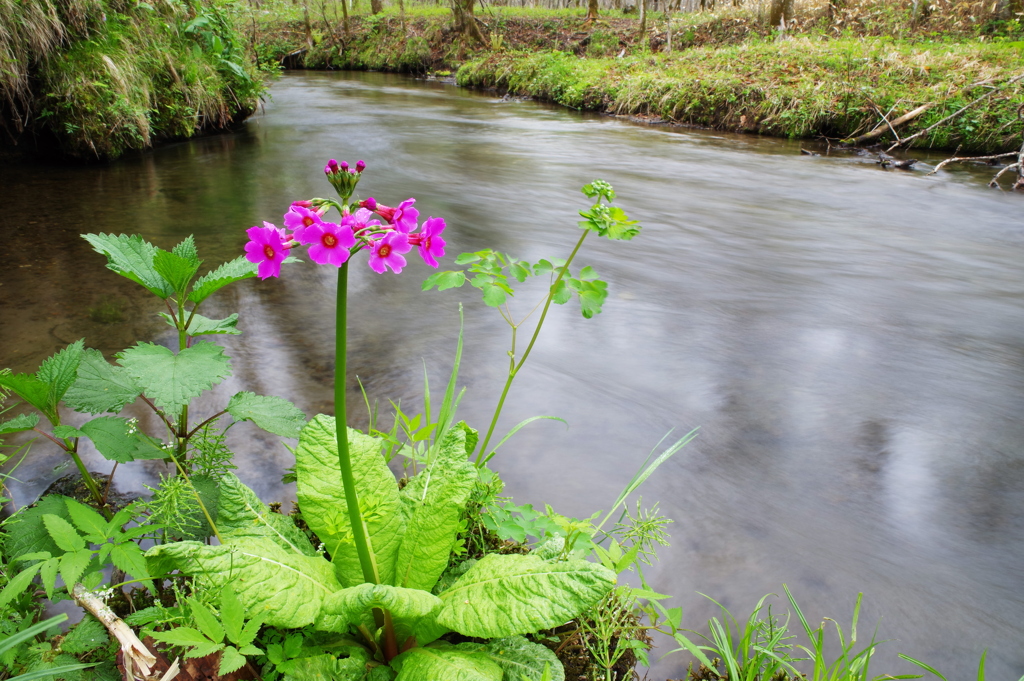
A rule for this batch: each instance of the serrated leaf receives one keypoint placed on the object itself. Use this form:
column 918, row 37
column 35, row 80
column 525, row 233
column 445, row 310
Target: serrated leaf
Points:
column 91, row 523
column 101, row 386
column 250, row 631
column 273, row 414
column 30, row 389
column 178, row 271
column 509, row 595
column 231, row 613
column 131, row 257
column 187, row 250
column 204, row 326
column 48, row 575
column 204, row 649
column 18, row 584
column 60, row 371
column 250, row 650
column 444, row 280
column 230, row 660
column 19, row 423
column 451, row 663
column 118, row 440
column 494, row 295
column 433, row 503
column 26, row 532
column 86, row 636
column 322, row 498
column 207, row 622
column 522, row 659
column 170, row 380
column 230, row 272
column 240, row 514
column 63, row 533
column 73, row 565
column 67, row 432
column 289, row 588
column 181, row 636
column 128, row 557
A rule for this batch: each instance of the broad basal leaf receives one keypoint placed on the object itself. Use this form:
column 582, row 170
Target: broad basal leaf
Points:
column 324, row 667
column 60, row 371
column 508, row 595
column 231, row 271
column 433, row 503
column 287, row 588
column 524, row 660
column 442, row 661
column 131, row 257
column 322, row 498
column 170, row 380
column 240, row 513
column 30, row 389
column 118, row 439
column 101, row 386
column 19, row 423
column 357, row 602
column 273, row 414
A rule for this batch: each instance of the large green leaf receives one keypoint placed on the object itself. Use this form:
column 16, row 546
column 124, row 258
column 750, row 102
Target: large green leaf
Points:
column 229, row 272
column 32, row 390
column 19, row 423
column 118, row 439
column 170, row 380
column 322, row 498
column 101, row 386
column 60, row 371
column 175, row 269
column 273, row 414
column 204, row 326
column 131, row 257
column 433, row 503
column 26, row 532
column 324, row 668
column 522, row 659
column 450, row 663
column 356, row 603
column 240, row 513
column 508, row 595
column 287, row 588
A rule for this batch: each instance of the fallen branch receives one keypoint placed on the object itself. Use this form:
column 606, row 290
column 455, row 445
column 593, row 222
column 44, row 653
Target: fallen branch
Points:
column 880, row 130
column 961, row 159
column 1018, row 166
column 967, row 106
column 136, row 654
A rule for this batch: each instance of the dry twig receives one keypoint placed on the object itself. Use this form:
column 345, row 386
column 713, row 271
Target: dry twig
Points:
column 135, row 653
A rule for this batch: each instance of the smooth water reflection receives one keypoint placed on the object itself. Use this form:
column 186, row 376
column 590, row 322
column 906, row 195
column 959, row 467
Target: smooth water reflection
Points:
column 849, row 340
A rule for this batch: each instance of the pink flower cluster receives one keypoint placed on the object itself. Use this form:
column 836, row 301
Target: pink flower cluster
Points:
column 333, row 243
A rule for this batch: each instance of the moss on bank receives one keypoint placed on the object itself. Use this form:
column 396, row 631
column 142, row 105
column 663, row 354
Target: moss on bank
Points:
column 96, row 78
column 727, row 71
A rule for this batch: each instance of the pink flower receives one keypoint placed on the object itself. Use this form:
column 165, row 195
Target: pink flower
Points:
column 266, row 247
column 403, row 218
column 429, row 240
column 387, row 250
column 298, row 219
column 360, row 220
column 330, row 243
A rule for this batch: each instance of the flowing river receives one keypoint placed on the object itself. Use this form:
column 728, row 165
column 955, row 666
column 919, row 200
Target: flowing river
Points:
column 850, row 340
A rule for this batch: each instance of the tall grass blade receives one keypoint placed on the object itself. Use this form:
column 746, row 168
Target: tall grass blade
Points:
column 515, row 430
column 922, row 665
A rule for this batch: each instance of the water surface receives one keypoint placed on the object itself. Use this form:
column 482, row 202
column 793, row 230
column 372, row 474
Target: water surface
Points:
column 849, row 340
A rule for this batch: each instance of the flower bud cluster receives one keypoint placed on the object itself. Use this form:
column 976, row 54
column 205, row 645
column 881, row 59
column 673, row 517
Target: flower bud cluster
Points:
column 343, row 178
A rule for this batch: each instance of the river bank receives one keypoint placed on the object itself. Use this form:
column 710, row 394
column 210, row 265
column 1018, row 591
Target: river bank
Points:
column 725, row 71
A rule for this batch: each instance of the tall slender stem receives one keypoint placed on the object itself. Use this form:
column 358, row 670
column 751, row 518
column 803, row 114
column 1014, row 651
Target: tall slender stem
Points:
column 359, row 533
column 482, row 457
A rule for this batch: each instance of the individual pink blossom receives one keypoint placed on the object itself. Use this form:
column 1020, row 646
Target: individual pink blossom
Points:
column 387, row 252
column 403, row 218
column 369, row 203
column 267, row 247
column 329, row 243
column 360, row 221
column 299, row 219
column 429, row 240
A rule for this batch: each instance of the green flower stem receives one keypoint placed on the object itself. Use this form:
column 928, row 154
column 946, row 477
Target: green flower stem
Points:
column 359, row 533
column 482, row 457
column 87, row 478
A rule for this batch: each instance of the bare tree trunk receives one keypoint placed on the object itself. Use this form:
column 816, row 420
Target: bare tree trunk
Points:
column 780, row 10
column 591, row 10
column 643, row 19
column 344, row 15
column 376, row 6
column 465, row 22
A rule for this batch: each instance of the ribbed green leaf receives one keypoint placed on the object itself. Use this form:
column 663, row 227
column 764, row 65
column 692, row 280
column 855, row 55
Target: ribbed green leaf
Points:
column 88, row 521
column 354, row 603
column 521, row 659
column 288, row 588
column 19, row 423
column 18, row 584
column 181, row 636
column 433, row 503
column 230, row 660
column 207, row 621
column 73, row 565
column 101, row 386
column 177, row 270
column 30, row 389
column 273, row 414
column 131, row 257
column 170, row 380
column 67, row 432
column 87, row 635
column 60, row 371
column 26, row 532
column 118, row 440
column 240, row 513
column 447, row 662
column 322, row 498
column 232, row 614
column 508, row 595
column 324, row 668
column 204, row 326
column 128, row 557
column 229, row 272
column 187, row 249
column 63, row 533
